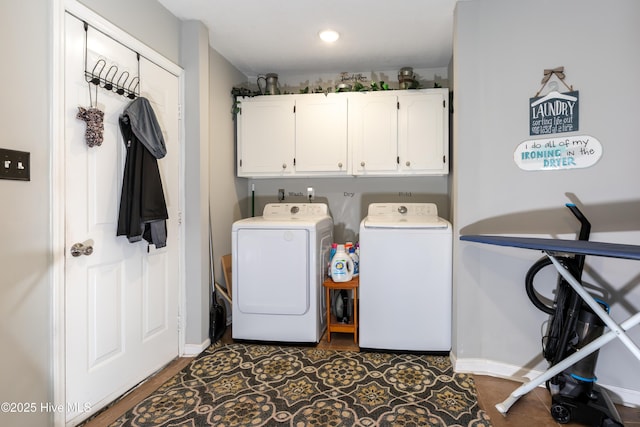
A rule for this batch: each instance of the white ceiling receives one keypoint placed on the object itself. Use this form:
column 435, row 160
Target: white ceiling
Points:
column 281, row 36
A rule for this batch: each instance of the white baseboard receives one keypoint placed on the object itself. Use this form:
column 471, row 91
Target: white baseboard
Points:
column 191, row 350
column 492, row 368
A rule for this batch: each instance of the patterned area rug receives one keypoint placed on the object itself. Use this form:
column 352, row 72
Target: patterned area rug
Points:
column 264, row 385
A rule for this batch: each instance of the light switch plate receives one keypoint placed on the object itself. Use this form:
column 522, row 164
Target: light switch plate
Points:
column 15, row 165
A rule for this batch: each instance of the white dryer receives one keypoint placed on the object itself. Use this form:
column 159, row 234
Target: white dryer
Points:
column 405, row 278
column 279, row 261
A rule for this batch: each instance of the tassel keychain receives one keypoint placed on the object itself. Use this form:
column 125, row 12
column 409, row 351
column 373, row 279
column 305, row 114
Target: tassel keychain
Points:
column 94, row 117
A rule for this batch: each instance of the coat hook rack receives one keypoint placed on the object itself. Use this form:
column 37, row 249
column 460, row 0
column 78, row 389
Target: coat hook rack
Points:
column 124, row 85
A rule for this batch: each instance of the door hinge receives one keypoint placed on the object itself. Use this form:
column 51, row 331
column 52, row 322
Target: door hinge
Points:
column 179, row 111
column 398, row 159
column 179, row 217
column 398, row 105
column 240, row 162
column 294, row 161
column 294, row 109
column 444, row 104
column 444, row 159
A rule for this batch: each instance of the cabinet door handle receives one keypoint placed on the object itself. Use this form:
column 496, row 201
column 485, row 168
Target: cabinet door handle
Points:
column 362, row 164
column 408, row 163
column 284, row 166
column 340, row 165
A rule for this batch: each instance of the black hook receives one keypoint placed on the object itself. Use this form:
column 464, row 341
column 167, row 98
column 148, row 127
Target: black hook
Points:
column 120, row 90
column 132, row 92
column 108, row 84
column 95, row 79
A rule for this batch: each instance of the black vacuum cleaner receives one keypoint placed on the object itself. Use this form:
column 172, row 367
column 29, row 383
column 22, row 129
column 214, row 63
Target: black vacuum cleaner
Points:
column 575, row 396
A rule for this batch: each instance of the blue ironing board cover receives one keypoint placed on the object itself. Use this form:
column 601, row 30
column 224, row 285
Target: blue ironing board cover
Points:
column 579, row 247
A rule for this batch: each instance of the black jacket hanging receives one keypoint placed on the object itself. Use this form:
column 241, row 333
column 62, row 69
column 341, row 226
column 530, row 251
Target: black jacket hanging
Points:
column 143, row 210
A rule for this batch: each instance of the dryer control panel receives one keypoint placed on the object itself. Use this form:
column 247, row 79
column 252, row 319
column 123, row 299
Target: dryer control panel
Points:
column 295, row 210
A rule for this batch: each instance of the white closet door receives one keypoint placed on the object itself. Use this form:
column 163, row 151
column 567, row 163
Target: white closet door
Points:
column 121, row 301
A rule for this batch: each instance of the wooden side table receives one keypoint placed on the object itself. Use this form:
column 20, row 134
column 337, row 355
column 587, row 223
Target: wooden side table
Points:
column 333, row 325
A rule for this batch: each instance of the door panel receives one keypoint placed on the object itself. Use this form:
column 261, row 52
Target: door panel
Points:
column 273, row 271
column 155, row 292
column 374, row 129
column 105, row 308
column 121, row 301
column 421, row 132
column 266, row 135
column 321, row 133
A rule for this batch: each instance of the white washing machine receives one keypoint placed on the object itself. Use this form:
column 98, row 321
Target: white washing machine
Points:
column 405, row 278
column 279, row 261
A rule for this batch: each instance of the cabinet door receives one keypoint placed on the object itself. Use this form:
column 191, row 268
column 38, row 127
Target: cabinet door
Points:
column 423, row 135
column 321, row 134
column 373, row 131
column 266, row 132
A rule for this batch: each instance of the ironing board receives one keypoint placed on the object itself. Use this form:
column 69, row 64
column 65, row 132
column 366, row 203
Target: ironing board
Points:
column 553, row 248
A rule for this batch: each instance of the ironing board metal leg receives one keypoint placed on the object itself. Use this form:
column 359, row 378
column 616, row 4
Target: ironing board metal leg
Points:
column 555, row 370
column 616, row 331
column 597, row 309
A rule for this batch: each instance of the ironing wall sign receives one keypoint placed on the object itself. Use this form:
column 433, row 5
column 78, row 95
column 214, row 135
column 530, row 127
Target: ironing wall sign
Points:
column 571, row 152
column 554, row 113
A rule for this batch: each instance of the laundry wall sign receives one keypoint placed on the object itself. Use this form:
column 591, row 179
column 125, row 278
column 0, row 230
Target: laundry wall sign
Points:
column 573, row 152
column 554, row 113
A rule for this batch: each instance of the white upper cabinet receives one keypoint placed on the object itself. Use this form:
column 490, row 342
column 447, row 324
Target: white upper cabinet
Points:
column 384, row 133
column 423, row 132
column 373, row 132
column 402, row 132
column 266, row 136
column 321, row 135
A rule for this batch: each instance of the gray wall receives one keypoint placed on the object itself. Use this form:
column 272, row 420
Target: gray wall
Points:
column 194, row 57
column 25, row 229
column 227, row 194
column 501, row 48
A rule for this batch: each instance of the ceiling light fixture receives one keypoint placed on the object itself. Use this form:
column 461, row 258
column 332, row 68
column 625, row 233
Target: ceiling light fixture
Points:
column 329, row 36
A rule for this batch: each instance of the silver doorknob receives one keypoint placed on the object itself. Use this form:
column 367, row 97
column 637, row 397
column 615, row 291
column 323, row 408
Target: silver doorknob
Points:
column 340, row 165
column 408, row 163
column 284, row 166
column 81, row 249
column 402, row 209
column 362, row 164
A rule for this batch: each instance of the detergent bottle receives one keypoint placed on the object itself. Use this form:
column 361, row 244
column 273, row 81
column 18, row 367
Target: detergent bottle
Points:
column 332, row 252
column 341, row 266
column 356, row 261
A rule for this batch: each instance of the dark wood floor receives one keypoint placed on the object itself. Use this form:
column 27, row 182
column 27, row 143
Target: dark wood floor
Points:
column 532, row 410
